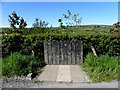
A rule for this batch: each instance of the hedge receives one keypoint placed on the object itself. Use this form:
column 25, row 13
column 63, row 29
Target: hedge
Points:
column 26, row 43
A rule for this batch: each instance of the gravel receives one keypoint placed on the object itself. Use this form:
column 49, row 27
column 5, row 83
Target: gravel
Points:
column 22, row 82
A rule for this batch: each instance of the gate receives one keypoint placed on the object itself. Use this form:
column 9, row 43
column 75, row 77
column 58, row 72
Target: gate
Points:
column 63, row 53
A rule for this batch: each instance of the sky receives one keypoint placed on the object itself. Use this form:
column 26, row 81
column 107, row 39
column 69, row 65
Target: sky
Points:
column 91, row 12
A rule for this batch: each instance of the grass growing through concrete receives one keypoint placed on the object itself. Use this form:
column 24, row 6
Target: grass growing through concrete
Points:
column 102, row 68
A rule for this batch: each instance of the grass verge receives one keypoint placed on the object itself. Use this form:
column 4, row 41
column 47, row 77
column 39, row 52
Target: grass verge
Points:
column 102, row 68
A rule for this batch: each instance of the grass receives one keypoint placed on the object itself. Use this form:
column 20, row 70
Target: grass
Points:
column 102, row 68
column 19, row 65
column 102, row 29
column 37, row 81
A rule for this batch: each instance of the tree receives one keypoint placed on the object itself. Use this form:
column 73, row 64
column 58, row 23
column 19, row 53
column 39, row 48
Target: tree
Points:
column 60, row 22
column 40, row 24
column 16, row 21
column 71, row 20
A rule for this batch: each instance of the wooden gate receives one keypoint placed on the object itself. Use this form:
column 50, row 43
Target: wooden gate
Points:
column 63, row 53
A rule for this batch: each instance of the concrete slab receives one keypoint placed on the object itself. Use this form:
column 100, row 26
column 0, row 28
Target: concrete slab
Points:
column 77, row 74
column 64, row 74
column 49, row 73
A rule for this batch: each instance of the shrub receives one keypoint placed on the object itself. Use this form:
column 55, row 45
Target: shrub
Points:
column 102, row 68
column 26, row 43
column 18, row 64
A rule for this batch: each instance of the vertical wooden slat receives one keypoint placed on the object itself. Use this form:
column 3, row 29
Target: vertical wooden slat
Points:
column 62, row 53
column 65, row 52
column 54, row 56
column 75, row 44
column 45, row 53
column 56, row 44
column 74, row 62
column 78, row 51
column 50, row 52
column 53, row 53
column 69, row 53
column 81, row 59
column 57, row 53
column 73, row 54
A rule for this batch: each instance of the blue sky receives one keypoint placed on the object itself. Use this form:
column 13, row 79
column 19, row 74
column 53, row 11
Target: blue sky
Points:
column 91, row 12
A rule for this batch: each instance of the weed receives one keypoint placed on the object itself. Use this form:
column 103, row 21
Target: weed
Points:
column 37, row 81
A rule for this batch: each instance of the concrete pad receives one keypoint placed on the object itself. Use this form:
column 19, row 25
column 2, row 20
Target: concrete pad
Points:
column 64, row 74
column 49, row 73
column 77, row 74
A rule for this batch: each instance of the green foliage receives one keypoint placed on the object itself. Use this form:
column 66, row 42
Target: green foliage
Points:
column 17, row 23
column 18, row 64
column 11, row 43
column 60, row 22
column 102, row 68
column 72, row 20
column 16, row 20
column 40, row 24
column 101, row 29
column 26, row 43
column 87, row 29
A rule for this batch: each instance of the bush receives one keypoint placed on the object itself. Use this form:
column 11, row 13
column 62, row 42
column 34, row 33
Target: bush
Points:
column 18, row 64
column 102, row 68
column 26, row 43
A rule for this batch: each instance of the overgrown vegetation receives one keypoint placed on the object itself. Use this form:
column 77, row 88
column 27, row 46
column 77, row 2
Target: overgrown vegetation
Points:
column 18, row 64
column 102, row 68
